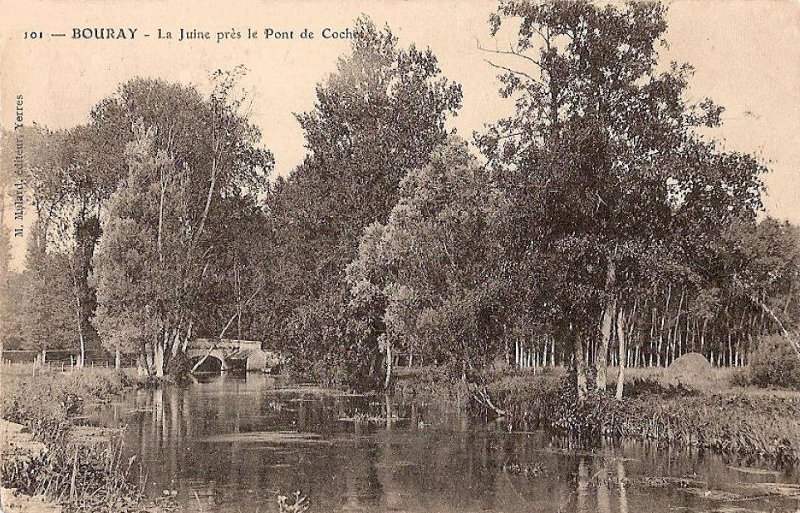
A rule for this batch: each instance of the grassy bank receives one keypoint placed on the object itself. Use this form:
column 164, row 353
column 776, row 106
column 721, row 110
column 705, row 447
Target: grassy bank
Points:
column 722, row 416
column 75, row 474
column 718, row 411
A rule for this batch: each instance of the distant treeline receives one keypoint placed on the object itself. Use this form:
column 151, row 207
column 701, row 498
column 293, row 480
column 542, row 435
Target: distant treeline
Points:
column 595, row 225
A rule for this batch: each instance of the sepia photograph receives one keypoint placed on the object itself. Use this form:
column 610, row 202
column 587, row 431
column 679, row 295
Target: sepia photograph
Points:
column 400, row 256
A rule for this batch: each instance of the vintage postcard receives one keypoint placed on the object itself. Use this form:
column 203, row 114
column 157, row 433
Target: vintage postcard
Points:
column 400, row 256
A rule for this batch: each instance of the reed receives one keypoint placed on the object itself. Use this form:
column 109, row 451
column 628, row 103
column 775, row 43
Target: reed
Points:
column 82, row 477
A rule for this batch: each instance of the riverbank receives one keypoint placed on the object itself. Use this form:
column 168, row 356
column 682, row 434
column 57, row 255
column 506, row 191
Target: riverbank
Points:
column 717, row 414
column 52, row 464
column 17, row 443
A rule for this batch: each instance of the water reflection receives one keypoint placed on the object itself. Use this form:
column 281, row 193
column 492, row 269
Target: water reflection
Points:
column 231, row 445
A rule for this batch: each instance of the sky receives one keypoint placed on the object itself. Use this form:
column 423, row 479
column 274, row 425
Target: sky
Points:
column 746, row 55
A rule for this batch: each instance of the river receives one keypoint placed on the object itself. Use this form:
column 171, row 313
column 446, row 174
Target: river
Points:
column 233, row 444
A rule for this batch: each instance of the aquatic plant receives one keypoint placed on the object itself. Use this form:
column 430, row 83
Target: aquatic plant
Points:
column 93, row 478
column 644, row 386
column 298, row 505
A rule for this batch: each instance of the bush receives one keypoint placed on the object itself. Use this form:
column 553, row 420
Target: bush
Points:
column 774, row 363
column 522, row 387
column 44, row 406
column 89, row 479
column 45, row 402
column 739, row 377
column 550, row 400
column 650, row 386
column 757, row 426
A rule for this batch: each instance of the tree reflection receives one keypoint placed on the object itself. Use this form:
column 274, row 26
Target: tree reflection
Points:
column 198, row 441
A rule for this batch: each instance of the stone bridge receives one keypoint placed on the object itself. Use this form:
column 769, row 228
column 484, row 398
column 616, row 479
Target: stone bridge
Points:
column 233, row 354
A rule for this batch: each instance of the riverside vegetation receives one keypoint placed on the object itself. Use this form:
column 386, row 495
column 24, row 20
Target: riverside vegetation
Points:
column 749, row 412
column 73, row 468
column 80, row 473
column 760, row 427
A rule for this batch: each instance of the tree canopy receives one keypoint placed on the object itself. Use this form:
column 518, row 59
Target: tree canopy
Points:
column 599, row 223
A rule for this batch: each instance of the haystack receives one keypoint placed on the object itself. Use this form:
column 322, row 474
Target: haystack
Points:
column 691, row 370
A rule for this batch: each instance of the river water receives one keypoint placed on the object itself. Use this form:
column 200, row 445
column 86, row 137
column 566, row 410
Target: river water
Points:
column 233, row 444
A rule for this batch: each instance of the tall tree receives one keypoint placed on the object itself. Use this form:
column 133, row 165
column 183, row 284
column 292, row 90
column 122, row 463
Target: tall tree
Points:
column 50, row 317
column 190, row 175
column 61, row 238
column 430, row 268
column 604, row 160
column 377, row 117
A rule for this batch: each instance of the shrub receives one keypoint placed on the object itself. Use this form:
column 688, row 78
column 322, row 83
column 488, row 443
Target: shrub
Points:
column 82, row 478
column 431, row 384
column 650, row 386
column 44, row 405
column 45, row 402
column 758, row 426
column 550, row 400
column 739, row 377
column 774, row 363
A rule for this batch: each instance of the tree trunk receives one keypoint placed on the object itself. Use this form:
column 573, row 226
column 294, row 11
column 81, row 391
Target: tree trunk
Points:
column 622, row 352
column 141, row 365
column 580, row 368
column 82, row 358
column 188, row 337
column 150, row 359
column 373, row 364
column 388, row 379
column 117, row 359
column 176, row 342
column 661, row 330
column 203, row 359
column 158, row 358
column 601, row 355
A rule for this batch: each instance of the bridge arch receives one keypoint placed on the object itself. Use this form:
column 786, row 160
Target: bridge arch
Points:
column 232, row 354
column 213, row 363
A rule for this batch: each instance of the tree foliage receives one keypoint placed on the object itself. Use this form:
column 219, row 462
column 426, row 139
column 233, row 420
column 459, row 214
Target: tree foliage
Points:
column 192, row 176
column 601, row 223
column 429, row 267
column 378, row 116
column 606, row 168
